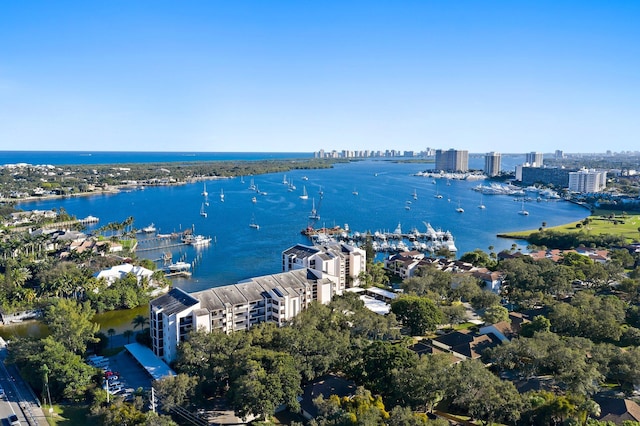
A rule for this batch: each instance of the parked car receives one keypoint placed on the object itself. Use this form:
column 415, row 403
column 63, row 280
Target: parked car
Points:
column 13, row 420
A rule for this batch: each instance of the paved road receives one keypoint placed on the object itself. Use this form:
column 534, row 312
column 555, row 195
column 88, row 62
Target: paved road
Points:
column 19, row 398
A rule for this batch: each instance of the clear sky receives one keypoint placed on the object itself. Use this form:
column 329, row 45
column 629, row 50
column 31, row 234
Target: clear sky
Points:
column 506, row 76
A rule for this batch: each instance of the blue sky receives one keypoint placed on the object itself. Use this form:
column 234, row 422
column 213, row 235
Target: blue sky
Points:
column 300, row 76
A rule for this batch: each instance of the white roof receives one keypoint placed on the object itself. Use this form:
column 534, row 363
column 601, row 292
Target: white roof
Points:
column 154, row 365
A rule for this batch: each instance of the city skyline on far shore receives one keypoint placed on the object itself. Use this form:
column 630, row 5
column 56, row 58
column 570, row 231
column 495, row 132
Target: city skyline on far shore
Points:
column 295, row 77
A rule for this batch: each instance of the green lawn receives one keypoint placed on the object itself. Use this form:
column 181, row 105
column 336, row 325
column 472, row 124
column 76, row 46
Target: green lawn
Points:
column 67, row 415
column 626, row 226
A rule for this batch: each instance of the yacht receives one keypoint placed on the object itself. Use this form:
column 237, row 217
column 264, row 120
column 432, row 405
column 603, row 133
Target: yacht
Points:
column 203, row 212
column 314, row 213
column 522, row 211
column 354, row 192
column 254, row 200
column 149, row 229
column 253, row 223
column 179, row 266
column 304, row 195
column 196, row 240
column 459, row 209
column 481, row 206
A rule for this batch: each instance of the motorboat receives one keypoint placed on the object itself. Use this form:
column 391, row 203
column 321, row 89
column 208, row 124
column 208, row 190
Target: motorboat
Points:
column 179, row 266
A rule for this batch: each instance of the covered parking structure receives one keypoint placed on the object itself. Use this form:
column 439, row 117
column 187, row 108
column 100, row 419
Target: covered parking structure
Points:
column 153, row 365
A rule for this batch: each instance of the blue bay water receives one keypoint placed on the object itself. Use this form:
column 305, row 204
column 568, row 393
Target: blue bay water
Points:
column 383, row 187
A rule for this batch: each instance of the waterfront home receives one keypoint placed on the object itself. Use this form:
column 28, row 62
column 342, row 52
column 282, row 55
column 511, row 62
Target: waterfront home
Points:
column 120, row 271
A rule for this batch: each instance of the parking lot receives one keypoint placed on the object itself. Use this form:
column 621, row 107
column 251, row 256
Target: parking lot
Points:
column 130, row 375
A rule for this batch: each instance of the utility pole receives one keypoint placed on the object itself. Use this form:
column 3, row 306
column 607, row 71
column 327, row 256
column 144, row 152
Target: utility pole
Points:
column 152, row 402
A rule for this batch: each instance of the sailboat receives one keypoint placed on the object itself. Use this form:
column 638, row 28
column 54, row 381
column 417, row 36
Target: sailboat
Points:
column 204, row 191
column 253, row 223
column 459, row 209
column 314, row 213
column 292, row 187
column 415, row 195
column 481, row 206
column 354, row 192
column 437, row 194
column 523, row 212
column 321, row 192
column 203, row 212
column 221, row 195
column 304, row 195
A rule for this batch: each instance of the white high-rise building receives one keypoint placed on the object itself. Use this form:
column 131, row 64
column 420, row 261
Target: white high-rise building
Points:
column 534, row 159
column 587, row 181
column 492, row 164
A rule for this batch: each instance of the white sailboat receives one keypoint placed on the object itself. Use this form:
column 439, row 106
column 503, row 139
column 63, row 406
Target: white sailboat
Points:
column 304, row 195
column 415, row 195
column 203, row 212
column 459, row 209
column 522, row 211
column 321, row 192
column 253, row 223
column 204, row 190
column 221, row 195
column 314, row 213
column 481, row 206
column 354, row 192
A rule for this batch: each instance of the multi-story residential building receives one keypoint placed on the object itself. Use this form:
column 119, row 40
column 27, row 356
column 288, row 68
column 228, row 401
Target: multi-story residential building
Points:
column 492, row 164
column 452, row 160
column 273, row 298
column 587, row 181
column 559, row 154
column 556, row 176
column 535, row 159
column 340, row 262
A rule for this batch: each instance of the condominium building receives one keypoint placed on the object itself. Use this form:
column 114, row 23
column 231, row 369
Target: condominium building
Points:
column 587, row 181
column 273, row 298
column 534, row 159
column 555, row 176
column 310, row 274
column 492, row 164
column 452, row 160
column 339, row 262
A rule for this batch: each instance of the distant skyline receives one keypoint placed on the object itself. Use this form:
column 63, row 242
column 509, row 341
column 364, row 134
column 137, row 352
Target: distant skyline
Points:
column 223, row 76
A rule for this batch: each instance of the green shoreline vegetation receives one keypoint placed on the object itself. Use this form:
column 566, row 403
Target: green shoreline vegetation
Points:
column 621, row 225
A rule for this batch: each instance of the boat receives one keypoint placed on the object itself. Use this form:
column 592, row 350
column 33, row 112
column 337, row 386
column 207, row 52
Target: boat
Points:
column 314, row 213
column 254, row 200
column 415, row 195
column 241, row 179
column 354, row 192
column 321, row 192
column 179, row 266
column 481, row 206
column 150, row 229
column 221, row 195
column 407, row 207
column 203, row 212
column 253, row 223
column 252, row 185
column 196, row 240
column 305, row 178
column 304, row 195
column 459, row 209
column 292, row 187
column 284, row 180
column 438, row 195
column 522, row 211
column 204, row 190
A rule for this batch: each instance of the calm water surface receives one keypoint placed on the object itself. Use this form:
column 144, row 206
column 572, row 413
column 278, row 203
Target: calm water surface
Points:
column 383, row 188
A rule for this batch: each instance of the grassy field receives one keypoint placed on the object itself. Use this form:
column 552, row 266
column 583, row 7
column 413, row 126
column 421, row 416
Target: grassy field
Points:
column 599, row 223
column 68, row 415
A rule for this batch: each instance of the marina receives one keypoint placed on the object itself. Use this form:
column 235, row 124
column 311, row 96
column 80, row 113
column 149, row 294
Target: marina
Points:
column 230, row 250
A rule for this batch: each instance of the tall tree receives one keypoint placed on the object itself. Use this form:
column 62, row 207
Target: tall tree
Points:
column 71, row 324
column 419, row 314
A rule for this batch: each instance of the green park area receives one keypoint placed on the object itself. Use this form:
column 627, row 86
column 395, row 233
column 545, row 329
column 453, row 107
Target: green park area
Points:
column 603, row 222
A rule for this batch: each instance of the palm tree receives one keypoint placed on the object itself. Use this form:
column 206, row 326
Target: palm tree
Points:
column 111, row 332
column 128, row 334
column 140, row 320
